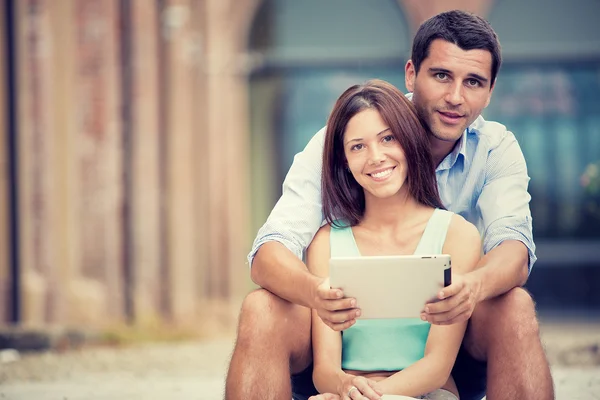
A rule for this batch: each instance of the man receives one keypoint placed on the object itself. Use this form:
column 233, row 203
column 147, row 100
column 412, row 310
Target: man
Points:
column 481, row 175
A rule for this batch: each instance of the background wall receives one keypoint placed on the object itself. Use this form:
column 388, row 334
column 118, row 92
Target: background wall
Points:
column 143, row 143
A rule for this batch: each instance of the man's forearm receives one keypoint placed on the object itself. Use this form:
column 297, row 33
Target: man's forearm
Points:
column 278, row 270
column 503, row 268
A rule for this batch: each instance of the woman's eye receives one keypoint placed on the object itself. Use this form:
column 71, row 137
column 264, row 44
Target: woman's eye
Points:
column 388, row 138
column 356, row 147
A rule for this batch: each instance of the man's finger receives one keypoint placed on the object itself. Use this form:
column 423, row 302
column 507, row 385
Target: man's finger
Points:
column 443, row 306
column 448, row 317
column 451, row 290
column 462, row 317
column 326, row 293
column 338, row 305
column 341, row 326
column 339, row 316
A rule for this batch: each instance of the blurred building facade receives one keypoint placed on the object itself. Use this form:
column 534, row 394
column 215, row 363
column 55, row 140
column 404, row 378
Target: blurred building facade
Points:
column 144, row 142
column 124, row 153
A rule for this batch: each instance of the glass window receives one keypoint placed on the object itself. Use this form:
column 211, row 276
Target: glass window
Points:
column 554, row 111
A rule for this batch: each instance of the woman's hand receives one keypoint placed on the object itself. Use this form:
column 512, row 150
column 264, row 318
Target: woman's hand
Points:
column 359, row 388
column 325, row 396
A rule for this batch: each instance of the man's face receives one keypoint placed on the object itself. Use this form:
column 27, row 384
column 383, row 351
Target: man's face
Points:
column 451, row 89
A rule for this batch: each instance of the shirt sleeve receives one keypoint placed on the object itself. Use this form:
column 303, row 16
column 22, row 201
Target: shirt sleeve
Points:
column 298, row 213
column 504, row 199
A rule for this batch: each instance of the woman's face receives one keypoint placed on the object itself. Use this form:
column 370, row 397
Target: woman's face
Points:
column 374, row 156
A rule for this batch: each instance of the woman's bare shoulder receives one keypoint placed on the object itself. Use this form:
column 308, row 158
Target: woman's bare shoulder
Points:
column 463, row 241
column 318, row 251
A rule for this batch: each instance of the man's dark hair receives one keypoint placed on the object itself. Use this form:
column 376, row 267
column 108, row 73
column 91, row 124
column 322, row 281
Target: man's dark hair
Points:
column 465, row 30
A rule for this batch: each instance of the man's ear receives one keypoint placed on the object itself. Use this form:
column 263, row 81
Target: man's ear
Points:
column 410, row 74
column 487, row 103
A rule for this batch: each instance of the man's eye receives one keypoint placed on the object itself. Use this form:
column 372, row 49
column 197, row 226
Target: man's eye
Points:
column 473, row 82
column 441, row 75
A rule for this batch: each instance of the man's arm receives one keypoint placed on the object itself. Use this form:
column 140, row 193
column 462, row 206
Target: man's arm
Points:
column 504, row 207
column 278, row 270
column 508, row 240
column 276, row 255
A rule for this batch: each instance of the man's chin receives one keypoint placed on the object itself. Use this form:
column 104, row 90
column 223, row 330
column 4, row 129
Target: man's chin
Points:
column 447, row 136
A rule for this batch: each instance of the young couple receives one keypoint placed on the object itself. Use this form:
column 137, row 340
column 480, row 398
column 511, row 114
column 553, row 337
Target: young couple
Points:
column 371, row 175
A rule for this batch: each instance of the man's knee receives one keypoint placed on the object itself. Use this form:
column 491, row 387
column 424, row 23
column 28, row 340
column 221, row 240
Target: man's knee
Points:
column 505, row 319
column 264, row 314
column 516, row 313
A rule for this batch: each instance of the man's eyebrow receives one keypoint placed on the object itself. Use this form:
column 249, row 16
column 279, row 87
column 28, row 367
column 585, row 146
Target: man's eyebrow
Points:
column 471, row 75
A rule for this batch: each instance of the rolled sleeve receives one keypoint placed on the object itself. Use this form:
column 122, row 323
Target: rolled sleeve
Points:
column 512, row 228
column 298, row 213
column 504, row 200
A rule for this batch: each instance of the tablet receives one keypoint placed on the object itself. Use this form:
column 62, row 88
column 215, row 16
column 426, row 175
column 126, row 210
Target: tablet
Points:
column 391, row 286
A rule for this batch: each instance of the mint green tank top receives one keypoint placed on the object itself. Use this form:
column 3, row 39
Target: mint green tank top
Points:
column 387, row 344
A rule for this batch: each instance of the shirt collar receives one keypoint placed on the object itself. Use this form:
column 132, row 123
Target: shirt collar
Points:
column 459, row 152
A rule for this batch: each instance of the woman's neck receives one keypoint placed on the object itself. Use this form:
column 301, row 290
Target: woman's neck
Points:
column 389, row 212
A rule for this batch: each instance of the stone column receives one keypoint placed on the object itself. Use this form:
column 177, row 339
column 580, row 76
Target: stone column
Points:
column 224, row 73
column 5, row 274
column 419, row 11
column 180, row 156
column 143, row 99
column 34, row 44
column 98, row 169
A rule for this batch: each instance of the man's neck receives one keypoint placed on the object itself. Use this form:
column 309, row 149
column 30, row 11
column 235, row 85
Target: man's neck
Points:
column 440, row 149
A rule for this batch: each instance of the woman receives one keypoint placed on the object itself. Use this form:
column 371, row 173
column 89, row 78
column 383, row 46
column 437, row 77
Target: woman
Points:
column 380, row 198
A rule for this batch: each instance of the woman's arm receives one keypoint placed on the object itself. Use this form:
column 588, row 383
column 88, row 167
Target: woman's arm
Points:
column 328, row 375
column 463, row 243
column 327, row 343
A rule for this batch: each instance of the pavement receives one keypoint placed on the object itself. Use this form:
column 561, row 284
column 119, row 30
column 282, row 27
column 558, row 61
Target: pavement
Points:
column 196, row 370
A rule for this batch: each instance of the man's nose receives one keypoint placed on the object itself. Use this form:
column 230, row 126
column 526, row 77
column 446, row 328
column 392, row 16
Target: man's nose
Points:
column 455, row 95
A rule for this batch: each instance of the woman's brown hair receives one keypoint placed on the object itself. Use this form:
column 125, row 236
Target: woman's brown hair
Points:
column 343, row 198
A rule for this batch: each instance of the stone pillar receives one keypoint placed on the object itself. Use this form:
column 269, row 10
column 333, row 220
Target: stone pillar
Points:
column 142, row 99
column 98, row 169
column 34, row 42
column 179, row 154
column 224, row 66
column 5, row 274
column 419, row 11
column 64, row 231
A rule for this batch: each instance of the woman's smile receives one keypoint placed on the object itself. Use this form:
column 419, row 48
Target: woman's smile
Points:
column 381, row 175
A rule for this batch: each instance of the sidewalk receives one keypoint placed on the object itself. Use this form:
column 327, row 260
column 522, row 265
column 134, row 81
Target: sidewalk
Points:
column 196, row 370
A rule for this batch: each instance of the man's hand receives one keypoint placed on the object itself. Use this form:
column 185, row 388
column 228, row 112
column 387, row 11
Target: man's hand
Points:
column 456, row 302
column 337, row 312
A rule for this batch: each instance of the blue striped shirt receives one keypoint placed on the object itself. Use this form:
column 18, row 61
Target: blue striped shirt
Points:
column 484, row 179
